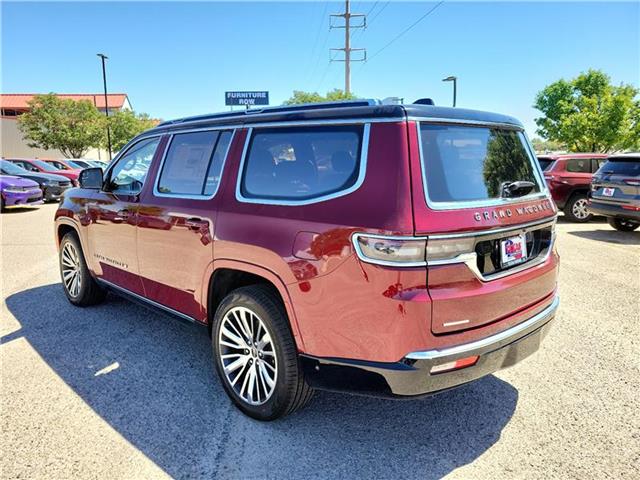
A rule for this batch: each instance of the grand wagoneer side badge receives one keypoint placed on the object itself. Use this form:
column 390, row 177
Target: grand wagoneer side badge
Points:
column 509, row 212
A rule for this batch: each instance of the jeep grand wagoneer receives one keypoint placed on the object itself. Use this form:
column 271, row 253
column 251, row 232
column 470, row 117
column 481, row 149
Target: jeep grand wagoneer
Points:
column 393, row 250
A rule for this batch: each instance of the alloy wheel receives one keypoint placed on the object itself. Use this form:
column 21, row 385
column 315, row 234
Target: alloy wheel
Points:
column 247, row 355
column 579, row 209
column 71, row 274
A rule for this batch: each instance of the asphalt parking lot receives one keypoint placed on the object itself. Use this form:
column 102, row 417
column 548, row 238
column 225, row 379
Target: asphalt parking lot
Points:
column 116, row 391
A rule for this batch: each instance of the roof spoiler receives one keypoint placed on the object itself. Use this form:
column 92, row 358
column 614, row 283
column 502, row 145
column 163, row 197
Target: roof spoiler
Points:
column 424, row 101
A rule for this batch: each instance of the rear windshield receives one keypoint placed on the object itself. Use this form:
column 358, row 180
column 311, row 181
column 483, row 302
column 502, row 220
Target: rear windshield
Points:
column 545, row 163
column 471, row 163
column 617, row 167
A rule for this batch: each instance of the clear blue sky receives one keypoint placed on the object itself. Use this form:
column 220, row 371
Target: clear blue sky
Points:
column 177, row 59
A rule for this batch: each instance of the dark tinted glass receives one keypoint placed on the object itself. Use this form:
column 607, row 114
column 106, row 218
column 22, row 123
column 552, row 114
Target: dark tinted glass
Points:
column 579, row 165
column 45, row 166
column 617, row 167
column 9, row 168
column 302, row 163
column 217, row 162
column 545, row 163
column 471, row 163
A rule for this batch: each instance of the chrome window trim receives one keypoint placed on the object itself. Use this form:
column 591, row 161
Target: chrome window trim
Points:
column 547, row 221
column 532, row 323
column 462, row 121
column 147, row 300
column 132, row 143
column 364, row 152
column 544, row 191
column 191, row 196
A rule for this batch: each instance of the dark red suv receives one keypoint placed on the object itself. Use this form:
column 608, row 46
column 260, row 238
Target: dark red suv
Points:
column 569, row 180
column 393, row 250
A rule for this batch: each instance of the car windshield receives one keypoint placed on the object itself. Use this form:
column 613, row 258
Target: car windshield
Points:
column 73, row 164
column 621, row 167
column 9, row 168
column 47, row 167
column 464, row 163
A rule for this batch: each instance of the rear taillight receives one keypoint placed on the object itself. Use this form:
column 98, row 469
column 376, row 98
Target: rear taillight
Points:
column 455, row 365
column 410, row 251
column 632, row 181
column 631, row 207
column 396, row 251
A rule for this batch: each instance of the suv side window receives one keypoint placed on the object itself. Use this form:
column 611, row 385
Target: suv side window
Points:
column 128, row 174
column 579, row 165
column 59, row 166
column 302, row 163
column 193, row 163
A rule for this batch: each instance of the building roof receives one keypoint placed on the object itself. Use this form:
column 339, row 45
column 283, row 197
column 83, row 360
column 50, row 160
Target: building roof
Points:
column 19, row 101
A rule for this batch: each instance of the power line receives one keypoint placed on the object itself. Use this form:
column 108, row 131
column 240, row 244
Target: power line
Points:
column 315, row 44
column 406, row 29
column 369, row 13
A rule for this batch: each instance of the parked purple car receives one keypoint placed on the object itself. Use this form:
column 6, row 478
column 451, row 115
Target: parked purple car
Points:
column 18, row 192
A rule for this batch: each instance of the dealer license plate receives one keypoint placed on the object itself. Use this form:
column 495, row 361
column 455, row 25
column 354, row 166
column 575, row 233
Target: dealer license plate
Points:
column 513, row 250
column 608, row 192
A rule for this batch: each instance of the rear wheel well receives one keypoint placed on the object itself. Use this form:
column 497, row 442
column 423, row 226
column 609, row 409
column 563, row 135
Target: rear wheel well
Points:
column 63, row 230
column 225, row 280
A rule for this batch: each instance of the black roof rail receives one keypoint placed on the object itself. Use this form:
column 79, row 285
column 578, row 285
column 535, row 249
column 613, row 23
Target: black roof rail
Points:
column 276, row 109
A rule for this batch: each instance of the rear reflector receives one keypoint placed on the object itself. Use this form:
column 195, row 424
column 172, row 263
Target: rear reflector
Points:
column 455, row 365
column 631, row 207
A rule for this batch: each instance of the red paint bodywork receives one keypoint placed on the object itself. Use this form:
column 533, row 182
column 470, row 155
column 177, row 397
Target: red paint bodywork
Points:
column 70, row 174
column 338, row 305
column 562, row 183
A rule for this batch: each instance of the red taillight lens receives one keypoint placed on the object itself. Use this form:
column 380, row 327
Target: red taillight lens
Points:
column 631, row 207
column 383, row 250
column 632, row 181
column 455, row 365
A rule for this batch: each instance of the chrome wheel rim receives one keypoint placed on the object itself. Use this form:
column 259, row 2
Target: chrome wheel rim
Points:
column 579, row 209
column 247, row 355
column 71, row 276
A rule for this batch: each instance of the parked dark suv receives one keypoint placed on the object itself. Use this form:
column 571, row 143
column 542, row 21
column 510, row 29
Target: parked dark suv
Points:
column 393, row 250
column 569, row 179
column 615, row 191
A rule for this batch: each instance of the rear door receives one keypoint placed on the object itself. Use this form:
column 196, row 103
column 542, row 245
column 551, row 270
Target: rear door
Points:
column 177, row 217
column 489, row 252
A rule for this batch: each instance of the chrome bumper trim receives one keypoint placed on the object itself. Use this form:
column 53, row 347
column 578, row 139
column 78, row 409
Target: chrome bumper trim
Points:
column 512, row 333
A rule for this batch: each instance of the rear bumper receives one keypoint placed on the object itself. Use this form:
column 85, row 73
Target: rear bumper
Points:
column 610, row 210
column 411, row 376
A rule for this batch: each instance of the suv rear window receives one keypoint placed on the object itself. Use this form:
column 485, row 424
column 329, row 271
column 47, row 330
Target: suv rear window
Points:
column 618, row 167
column 297, row 164
column 545, row 163
column 579, row 165
column 464, row 163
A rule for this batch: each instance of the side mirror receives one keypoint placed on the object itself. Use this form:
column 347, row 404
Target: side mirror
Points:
column 91, row 178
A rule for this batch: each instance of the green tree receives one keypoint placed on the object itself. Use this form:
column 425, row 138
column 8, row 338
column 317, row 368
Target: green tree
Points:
column 589, row 114
column 124, row 125
column 72, row 127
column 542, row 146
column 506, row 161
column 334, row 95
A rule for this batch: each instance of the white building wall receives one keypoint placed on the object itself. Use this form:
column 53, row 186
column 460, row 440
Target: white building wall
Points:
column 12, row 144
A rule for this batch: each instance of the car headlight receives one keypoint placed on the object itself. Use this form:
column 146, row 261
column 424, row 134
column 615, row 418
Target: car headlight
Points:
column 12, row 189
column 51, row 183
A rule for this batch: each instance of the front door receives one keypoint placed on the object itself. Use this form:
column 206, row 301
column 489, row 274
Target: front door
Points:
column 113, row 217
column 177, row 219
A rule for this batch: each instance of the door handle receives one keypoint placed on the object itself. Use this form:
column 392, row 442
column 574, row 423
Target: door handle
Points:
column 196, row 223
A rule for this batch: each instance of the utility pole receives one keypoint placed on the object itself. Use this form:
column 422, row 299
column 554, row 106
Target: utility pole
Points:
column 347, row 15
column 103, row 57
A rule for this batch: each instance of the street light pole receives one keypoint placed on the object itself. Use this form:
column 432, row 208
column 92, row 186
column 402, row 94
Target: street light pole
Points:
column 103, row 57
column 453, row 79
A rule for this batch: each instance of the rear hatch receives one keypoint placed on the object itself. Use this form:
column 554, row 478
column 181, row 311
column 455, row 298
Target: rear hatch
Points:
column 617, row 182
column 489, row 223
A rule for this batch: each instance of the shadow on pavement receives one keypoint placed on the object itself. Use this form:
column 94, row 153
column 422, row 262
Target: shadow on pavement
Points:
column 165, row 399
column 609, row 236
column 17, row 210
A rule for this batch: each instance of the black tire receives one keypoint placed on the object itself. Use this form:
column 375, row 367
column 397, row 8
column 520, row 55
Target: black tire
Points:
column 88, row 291
column 623, row 225
column 575, row 209
column 290, row 391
